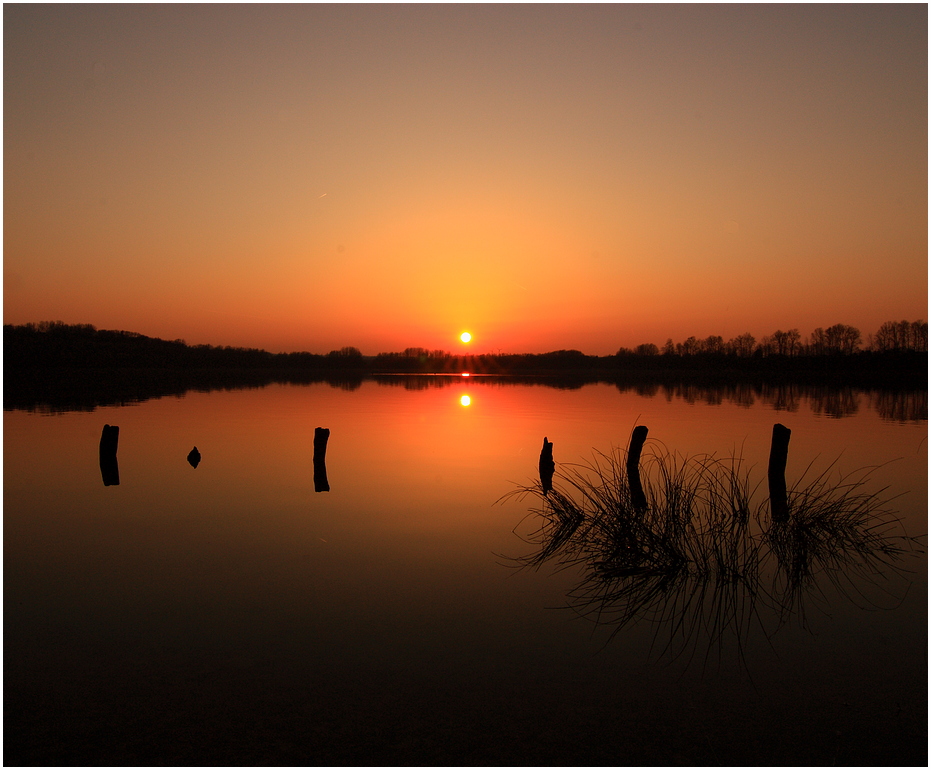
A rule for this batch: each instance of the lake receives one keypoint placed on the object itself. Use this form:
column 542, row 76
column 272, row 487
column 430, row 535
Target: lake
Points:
column 230, row 614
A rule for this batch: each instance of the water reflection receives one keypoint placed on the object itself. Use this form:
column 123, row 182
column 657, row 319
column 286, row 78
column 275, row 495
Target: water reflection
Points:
column 829, row 400
column 824, row 400
column 842, row 402
column 901, row 406
column 704, row 560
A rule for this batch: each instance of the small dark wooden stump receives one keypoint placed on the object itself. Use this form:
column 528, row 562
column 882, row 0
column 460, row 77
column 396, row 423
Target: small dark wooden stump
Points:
column 321, row 436
column 109, row 467
column 194, row 457
column 778, row 456
column 547, row 466
column 637, row 438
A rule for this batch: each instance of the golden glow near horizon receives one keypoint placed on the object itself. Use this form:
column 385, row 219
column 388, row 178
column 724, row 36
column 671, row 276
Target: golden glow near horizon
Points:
column 317, row 176
column 465, row 337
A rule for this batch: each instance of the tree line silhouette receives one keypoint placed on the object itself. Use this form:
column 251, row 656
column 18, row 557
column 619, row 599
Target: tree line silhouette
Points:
column 896, row 349
column 840, row 339
column 56, row 345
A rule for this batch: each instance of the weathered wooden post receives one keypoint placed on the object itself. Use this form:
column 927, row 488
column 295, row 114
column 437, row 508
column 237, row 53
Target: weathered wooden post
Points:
column 547, row 466
column 637, row 438
column 778, row 455
column 321, row 436
column 109, row 467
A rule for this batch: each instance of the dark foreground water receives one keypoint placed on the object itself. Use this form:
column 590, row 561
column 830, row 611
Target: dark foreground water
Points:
column 230, row 614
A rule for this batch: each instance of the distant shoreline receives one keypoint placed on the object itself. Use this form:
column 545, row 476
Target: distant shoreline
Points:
column 63, row 367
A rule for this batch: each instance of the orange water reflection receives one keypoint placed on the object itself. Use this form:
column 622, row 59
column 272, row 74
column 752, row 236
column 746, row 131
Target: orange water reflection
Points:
column 398, row 563
column 410, row 458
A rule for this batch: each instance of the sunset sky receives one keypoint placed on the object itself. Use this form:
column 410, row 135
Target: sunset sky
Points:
column 305, row 177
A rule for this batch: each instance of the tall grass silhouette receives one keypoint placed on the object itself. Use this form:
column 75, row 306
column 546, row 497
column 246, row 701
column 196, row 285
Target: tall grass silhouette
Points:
column 841, row 533
column 704, row 560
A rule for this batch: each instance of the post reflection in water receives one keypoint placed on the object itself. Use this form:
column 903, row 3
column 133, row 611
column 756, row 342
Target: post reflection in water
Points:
column 696, row 555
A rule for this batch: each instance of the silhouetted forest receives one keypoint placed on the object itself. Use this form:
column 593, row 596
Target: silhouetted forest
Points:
column 78, row 366
column 840, row 339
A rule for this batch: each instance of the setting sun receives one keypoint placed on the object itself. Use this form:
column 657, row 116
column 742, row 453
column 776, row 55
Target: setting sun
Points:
column 465, row 337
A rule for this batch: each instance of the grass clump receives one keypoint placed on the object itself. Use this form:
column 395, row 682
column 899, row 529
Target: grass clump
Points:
column 697, row 553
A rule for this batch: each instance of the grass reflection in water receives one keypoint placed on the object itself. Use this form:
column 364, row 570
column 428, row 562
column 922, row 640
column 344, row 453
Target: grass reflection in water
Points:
column 703, row 559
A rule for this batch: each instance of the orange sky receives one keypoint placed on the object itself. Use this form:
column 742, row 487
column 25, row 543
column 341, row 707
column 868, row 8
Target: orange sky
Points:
column 304, row 177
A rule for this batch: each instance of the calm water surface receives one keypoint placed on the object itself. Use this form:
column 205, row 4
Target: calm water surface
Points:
column 230, row 614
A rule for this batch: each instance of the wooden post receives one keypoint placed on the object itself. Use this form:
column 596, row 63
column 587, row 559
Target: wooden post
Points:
column 321, row 436
column 778, row 455
column 109, row 467
column 547, row 466
column 633, row 466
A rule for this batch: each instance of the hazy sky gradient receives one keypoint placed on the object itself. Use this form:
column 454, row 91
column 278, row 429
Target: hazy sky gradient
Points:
column 304, row 177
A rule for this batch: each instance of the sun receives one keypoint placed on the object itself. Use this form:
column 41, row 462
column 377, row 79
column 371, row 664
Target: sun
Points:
column 465, row 337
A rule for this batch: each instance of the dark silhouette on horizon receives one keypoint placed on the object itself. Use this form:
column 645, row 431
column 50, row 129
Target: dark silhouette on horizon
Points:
column 56, row 344
column 59, row 367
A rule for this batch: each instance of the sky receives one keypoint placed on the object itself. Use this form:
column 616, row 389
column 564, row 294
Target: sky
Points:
column 308, row 177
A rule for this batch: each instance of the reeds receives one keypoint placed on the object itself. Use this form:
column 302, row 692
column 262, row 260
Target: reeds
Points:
column 840, row 532
column 703, row 560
